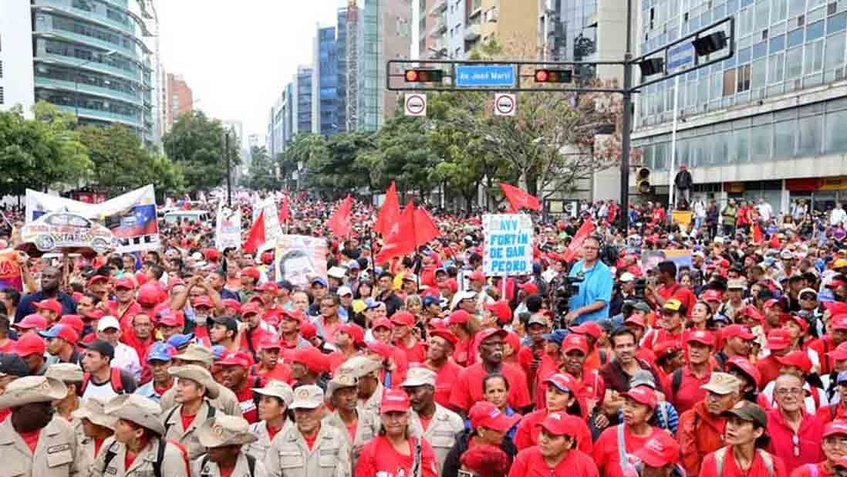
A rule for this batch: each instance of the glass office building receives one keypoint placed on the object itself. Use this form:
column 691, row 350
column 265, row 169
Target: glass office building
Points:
column 325, row 86
column 764, row 123
column 90, row 59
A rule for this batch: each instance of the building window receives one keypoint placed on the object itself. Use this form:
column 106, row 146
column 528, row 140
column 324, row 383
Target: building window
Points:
column 809, row 129
column 1, row 95
column 743, row 78
column 836, row 140
column 729, row 82
column 784, row 132
column 1, row 68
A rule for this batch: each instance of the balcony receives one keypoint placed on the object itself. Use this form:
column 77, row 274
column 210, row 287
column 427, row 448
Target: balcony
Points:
column 438, row 7
column 94, row 16
column 105, row 116
column 439, row 28
column 472, row 32
column 92, row 66
column 84, row 88
column 47, row 31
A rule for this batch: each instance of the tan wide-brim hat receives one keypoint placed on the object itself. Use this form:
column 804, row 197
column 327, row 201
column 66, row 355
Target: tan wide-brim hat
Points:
column 196, row 353
column 138, row 409
column 65, row 372
column 93, row 409
column 32, row 389
column 198, row 374
column 223, row 430
column 341, row 381
column 277, row 389
column 359, row 366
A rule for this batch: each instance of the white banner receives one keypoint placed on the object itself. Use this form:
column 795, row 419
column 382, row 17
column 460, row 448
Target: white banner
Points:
column 272, row 229
column 131, row 217
column 228, row 228
column 508, row 244
column 300, row 258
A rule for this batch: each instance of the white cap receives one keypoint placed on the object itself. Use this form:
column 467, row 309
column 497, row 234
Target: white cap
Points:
column 627, row 277
column 344, row 290
column 108, row 322
column 418, row 377
column 336, row 272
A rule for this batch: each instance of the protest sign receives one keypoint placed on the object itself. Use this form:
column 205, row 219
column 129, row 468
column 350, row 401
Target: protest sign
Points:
column 650, row 259
column 272, row 227
column 228, row 228
column 508, row 244
column 300, row 258
column 10, row 271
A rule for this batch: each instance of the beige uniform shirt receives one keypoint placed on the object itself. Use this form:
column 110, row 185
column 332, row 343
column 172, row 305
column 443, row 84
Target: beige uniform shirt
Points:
column 290, row 456
column 366, row 429
column 187, row 437
column 226, row 401
column 242, row 468
column 173, row 463
column 441, row 433
column 86, row 454
column 259, row 429
column 56, row 454
column 373, row 402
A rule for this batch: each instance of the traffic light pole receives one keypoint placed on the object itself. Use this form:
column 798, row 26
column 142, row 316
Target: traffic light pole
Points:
column 626, row 122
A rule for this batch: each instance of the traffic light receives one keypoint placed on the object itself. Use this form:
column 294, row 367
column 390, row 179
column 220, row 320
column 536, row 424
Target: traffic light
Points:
column 419, row 75
column 642, row 181
column 553, row 76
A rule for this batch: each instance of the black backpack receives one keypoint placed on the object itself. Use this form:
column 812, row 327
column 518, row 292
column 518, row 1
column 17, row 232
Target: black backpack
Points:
column 157, row 464
column 251, row 465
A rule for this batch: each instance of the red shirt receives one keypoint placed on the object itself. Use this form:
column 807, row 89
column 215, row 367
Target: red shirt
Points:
column 606, row 452
column 30, row 439
column 125, row 318
column 281, row 372
column 272, row 431
column 310, row 440
column 528, row 431
column 129, row 458
column 806, row 471
column 186, row 420
column 329, row 329
column 468, row 387
column 351, row 429
column 247, row 405
column 226, row 471
column 769, row 368
column 689, row 392
column 378, row 457
column 681, row 293
column 462, row 353
column 808, row 438
column 525, row 357
column 530, row 463
column 445, row 376
column 414, row 354
column 730, row 467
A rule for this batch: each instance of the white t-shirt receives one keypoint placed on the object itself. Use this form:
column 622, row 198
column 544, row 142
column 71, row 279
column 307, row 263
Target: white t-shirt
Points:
column 104, row 391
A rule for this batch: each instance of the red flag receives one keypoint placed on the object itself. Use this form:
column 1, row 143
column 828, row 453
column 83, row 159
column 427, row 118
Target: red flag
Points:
column 401, row 238
column 775, row 243
column 758, row 236
column 425, row 228
column 256, row 237
column 339, row 222
column 389, row 212
column 519, row 199
column 284, row 213
column 584, row 232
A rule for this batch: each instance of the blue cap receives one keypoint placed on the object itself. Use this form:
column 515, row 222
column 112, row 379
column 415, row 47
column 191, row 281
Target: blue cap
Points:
column 218, row 351
column 178, row 341
column 370, row 303
column 321, row 281
column 557, row 336
column 53, row 332
column 160, row 352
column 842, row 376
column 430, row 300
column 826, row 296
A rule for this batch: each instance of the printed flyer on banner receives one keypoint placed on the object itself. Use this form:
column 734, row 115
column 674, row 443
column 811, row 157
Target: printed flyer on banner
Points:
column 508, row 244
column 272, row 228
column 228, row 228
column 130, row 217
column 650, row 259
column 300, row 258
column 10, row 271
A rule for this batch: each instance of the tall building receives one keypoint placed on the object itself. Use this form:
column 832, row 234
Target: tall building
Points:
column 454, row 15
column 325, row 100
column 341, row 60
column 180, row 99
column 513, row 23
column 767, row 122
column 90, row 58
column 17, row 83
column 302, row 101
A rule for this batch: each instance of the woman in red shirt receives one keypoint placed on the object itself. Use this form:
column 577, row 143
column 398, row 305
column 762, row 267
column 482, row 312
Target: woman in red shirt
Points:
column 555, row 455
column 560, row 396
column 393, row 453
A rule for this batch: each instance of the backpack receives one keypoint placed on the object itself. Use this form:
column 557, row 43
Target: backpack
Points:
column 114, row 378
column 251, row 464
column 160, row 457
column 210, row 413
column 720, row 457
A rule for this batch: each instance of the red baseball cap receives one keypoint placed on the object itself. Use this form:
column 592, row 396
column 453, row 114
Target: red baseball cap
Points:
column 838, row 322
column 642, row 395
column 96, row 278
column 752, row 312
column 574, row 342
column 251, row 272
column 403, row 318
column 563, row 382
column 839, row 353
column 702, row 337
column 659, row 451
column 797, row 359
column 269, row 343
column 250, row 309
column 61, row 331
column 30, row 343
column 382, row 323
column 125, row 283
column 802, row 323
column 485, row 415
column 529, row 288
column 737, row 331
column 747, row 368
column 394, row 400
column 268, row 287
column 74, row 321
column 231, row 303
column 311, row 358
column 835, row 428
column 237, row 358
column 171, row 318
column 150, row 294
column 501, row 310
column 32, row 321
column 488, row 333
column 476, row 276
column 202, row 302
column 835, row 307
column 211, row 254
column 711, row 295
column 560, row 424
column 49, row 304
column 296, row 315
column 778, row 339
column 355, row 331
column 446, row 335
column 458, row 317
column 636, row 320
column 385, row 350
column 589, row 328
column 773, row 302
column 308, row 330
column 94, row 314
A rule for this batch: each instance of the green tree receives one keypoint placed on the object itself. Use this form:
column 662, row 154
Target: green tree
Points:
column 262, row 174
column 196, row 144
column 41, row 153
column 406, row 156
column 304, row 149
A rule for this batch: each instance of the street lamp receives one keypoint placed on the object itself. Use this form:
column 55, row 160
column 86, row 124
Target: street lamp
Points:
column 76, row 79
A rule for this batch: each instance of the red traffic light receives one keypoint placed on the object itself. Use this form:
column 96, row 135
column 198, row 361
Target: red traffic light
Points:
column 541, row 76
column 553, row 76
column 424, row 76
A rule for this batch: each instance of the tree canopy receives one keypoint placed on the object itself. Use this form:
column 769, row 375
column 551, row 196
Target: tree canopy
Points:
column 196, row 145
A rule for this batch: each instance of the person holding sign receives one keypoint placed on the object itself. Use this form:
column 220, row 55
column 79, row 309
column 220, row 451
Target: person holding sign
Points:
column 591, row 303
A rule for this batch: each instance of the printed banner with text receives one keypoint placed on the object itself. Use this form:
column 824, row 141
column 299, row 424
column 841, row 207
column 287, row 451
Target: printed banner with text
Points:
column 508, row 244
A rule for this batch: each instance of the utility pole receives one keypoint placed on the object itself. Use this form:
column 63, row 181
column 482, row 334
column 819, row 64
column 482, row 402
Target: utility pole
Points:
column 626, row 122
column 228, row 171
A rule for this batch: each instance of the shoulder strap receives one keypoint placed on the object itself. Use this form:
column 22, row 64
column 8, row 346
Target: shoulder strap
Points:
column 210, row 413
column 86, row 377
column 416, row 466
column 168, row 418
column 603, row 357
column 622, row 449
column 251, row 464
column 720, row 455
column 203, row 462
column 160, row 456
column 768, row 461
column 107, row 459
column 677, row 381
column 117, row 382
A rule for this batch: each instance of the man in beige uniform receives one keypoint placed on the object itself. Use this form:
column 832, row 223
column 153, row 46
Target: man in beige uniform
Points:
column 34, row 442
column 138, row 449
column 194, row 389
column 370, row 389
column 97, row 430
column 202, row 356
column 309, row 449
column 224, row 437
column 437, row 424
column 342, row 391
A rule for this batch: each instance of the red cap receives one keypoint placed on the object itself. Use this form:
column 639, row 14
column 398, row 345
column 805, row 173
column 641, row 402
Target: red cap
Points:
column 171, row 318
column 839, row 353
column 643, row 395
column 659, row 451
column 382, row 323
column 702, row 337
column 835, row 307
column 394, row 400
column 778, row 339
column 513, row 340
column 483, row 335
column 257, row 298
column 772, row 302
column 296, row 315
column 747, row 368
column 49, row 304
column 150, row 294
column 574, row 342
column 74, row 321
column 560, row 424
column 28, row 344
column 711, row 295
column 32, row 321
column 237, row 358
column 529, row 288
column 737, row 331
column 125, row 283
column 211, row 254
column 501, row 310
column 803, row 324
column 355, row 331
column 752, row 312
column 563, row 382
column 269, row 343
column 476, row 276
column 231, row 303
column 202, row 301
column 94, row 314
column 838, row 322
column 308, row 330
column 589, row 328
column 835, row 428
column 446, row 335
column 385, row 350
column 61, row 331
column 403, row 318
column 797, row 359
column 458, row 317
column 268, row 287
column 636, row 320
column 251, row 272
column 251, row 309
column 140, row 277
column 485, row 415
column 96, row 278
column 311, row 358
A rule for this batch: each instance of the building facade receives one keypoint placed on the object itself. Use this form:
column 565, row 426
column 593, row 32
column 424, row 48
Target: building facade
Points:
column 90, row 59
column 180, row 99
column 325, row 101
column 302, row 101
column 764, row 123
column 17, row 84
column 341, row 69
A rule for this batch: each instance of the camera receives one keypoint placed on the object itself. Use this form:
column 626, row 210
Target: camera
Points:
column 561, row 296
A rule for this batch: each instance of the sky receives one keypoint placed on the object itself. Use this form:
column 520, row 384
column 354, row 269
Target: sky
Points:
column 237, row 55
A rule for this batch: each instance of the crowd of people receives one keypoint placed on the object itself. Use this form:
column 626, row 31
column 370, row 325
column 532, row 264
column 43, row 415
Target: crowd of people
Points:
column 614, row 357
